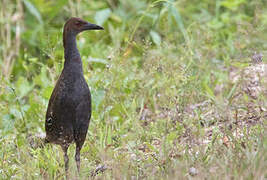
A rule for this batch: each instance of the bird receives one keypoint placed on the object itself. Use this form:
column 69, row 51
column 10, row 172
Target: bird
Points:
column 69, row 109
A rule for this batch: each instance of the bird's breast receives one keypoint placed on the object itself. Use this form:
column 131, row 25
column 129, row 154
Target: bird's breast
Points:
column 74, row 89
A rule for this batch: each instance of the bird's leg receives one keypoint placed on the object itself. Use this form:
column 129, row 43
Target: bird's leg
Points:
column 77, row 158
column 66, row 159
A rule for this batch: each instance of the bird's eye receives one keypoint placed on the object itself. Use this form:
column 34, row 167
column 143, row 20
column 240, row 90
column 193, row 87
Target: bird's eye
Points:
column 78, row 23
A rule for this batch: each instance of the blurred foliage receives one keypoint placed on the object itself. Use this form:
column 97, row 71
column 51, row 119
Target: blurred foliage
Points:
column 155, row 54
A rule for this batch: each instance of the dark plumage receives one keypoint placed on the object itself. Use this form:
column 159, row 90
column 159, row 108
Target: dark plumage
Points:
column 69, row 109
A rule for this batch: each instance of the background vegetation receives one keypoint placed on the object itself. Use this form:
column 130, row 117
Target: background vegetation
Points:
column 166, row 104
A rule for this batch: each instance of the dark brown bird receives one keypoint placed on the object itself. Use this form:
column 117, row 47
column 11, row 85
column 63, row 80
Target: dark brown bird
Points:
column 69, row 109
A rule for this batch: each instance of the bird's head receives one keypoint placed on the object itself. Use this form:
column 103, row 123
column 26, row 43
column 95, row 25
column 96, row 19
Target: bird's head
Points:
column 77, row 25
column 74, row 26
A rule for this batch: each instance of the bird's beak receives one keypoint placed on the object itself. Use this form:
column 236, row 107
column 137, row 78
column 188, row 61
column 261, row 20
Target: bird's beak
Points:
column 90, row 26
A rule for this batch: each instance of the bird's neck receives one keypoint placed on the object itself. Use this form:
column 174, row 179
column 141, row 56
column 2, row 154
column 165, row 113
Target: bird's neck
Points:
column 71, row 53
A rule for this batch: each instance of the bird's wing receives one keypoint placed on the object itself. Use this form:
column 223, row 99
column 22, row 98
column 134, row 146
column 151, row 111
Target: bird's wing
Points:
column 82, row 117
column 57, row 91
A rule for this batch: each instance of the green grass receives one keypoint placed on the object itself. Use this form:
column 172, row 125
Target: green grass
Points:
column 164, row 100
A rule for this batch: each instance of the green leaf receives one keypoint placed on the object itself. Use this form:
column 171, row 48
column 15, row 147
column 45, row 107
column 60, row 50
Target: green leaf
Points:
column 208, row 90
column 47, row 92
column 32, row 9
column 232, row 4
column 15, row 112
column 57, row 7
column 232, row 91
column 178, row 19
column 97, row 60
column 155, row 37
column 23, row 87
column 97, row 97
column 102, row 15
column 215, row 24
column 171, row 136
column 8, row 122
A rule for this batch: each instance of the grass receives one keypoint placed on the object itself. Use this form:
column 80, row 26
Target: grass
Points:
column 165, row 102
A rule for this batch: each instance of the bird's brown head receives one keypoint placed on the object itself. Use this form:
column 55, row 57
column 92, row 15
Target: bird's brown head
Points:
column 74, row 26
